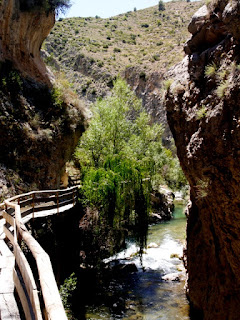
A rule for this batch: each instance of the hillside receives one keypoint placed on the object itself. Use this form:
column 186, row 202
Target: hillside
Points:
column 139, row 45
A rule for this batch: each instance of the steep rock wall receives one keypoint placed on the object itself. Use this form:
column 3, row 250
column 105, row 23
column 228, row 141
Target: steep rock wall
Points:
column 21, row 36
column 40, row 124
column 149, row 88
column 204, row 116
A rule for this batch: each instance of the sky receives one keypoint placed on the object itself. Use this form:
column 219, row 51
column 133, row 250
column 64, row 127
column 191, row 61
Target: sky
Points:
column 106, row 8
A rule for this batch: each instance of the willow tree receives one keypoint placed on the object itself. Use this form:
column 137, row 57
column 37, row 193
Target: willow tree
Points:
column 121, row 158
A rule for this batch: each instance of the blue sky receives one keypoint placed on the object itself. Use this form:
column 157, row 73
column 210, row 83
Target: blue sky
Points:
column 106, row 8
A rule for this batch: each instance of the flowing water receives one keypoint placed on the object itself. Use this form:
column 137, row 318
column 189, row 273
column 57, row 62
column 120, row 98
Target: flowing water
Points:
column 144, row 294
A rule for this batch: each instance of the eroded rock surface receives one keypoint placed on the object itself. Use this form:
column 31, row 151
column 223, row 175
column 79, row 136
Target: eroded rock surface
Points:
column 22, row 33
column 204, row 116
column 39, row 124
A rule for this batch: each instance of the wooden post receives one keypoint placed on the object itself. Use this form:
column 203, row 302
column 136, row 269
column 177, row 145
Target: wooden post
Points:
column 57, row 203
column 73, row 196
column 33, row 204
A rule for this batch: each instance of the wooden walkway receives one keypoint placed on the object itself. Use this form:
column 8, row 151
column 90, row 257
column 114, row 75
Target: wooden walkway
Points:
column 39, row 295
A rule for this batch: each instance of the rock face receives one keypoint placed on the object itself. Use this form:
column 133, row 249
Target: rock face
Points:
column 162, row 206
column 21, row 36
column 149, row 88
column 204, row 117
column 40, row 123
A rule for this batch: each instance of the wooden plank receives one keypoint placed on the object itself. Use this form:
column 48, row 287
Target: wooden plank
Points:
column 28, row 279
column 25, row 269
column 25, row 203
column 40, row 192
column 51, row 296
column 6, row 279
column 10, row 211
column 69, row 194
column 9, row 309
column 27, row 308
column 64, row 203
column 9, row 218
column 45, row 199
column 27, row 212
column 36, row 305
column 2, row 262
column 45, row 208
column 8, row 234
column 4, row 249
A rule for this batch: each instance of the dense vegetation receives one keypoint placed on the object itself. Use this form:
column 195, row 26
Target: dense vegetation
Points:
column 47, row 5
column 122, row 160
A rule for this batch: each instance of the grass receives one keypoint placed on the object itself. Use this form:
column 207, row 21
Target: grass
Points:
column 221, row 89
column 202, row 112
column 210, row 70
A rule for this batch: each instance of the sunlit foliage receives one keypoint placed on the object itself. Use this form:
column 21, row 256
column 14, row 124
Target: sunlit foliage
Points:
column 122, row 159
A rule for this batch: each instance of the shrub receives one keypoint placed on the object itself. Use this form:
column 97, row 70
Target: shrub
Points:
column 167, row 84
column 161, row 6
column 100, row 64
column 201, row 113
column 66, row 292
column 156, row 57
column 210, row 70
column 11, row 80
column 142, row 75
column 221, row 89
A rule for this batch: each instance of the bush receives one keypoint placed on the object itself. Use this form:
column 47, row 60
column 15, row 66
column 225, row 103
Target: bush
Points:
column 210, row 70
column 66, row 292
column 161, row 6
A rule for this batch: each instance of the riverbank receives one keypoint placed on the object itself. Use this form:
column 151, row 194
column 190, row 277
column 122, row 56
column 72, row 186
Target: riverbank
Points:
column 144, row 294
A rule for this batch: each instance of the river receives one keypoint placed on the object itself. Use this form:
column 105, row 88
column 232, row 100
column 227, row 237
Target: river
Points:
column 144, row 295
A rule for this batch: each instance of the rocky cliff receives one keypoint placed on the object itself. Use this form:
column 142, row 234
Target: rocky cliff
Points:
column 22, row 33
column 41, row 121
column 204, row 116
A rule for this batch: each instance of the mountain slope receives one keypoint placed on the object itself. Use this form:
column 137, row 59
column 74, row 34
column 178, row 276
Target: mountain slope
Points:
column 140, row 46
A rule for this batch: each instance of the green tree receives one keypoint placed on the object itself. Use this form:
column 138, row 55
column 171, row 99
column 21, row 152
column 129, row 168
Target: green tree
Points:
column 122, row 158
column 161, row 6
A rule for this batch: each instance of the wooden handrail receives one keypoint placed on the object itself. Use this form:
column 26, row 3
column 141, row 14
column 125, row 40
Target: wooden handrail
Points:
column 39, row 192
column 54, row 309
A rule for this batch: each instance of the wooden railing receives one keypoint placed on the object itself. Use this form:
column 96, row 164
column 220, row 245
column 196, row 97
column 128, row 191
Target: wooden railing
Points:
column 39, row 297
